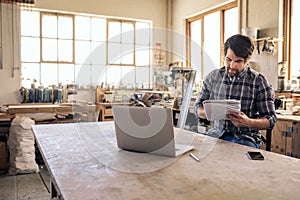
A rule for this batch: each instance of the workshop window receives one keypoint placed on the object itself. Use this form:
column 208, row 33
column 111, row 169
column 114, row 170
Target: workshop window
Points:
column 83, row 49
column 206, row 34
column 295, row 39
column 128, row 59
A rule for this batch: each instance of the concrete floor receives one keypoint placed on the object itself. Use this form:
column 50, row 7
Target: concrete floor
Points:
column 25, row 186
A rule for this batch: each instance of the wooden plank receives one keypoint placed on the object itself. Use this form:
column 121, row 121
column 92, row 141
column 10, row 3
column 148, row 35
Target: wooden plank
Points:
column 17, row 109
column 6, row 116
column 295, row 118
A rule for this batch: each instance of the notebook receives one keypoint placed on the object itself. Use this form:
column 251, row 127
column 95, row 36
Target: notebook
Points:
column 217, row 109
column 147, row 130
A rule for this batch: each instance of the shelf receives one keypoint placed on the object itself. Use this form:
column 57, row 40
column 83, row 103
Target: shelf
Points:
column 155, row 92
column 269, row 39
column 268, row 45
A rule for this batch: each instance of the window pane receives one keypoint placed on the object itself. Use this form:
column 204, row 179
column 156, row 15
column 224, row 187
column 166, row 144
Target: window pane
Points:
column 128, row 76
column 82, row 28
column 65, row 49
column 98, row 29
column 127, row 54
column 49, row 74
column 196, row 46
column 88, row 47
column 142, row 31
column 30, row 72
column 113, row 75
column 66, row 73
column 103, row 77
column 34, row 54
column 295, row 40
column 211, row 56
column 49, row 50
column 30, row 23
column 142, row 55
column 98, row 74
column 98, row 55
column 65, row 27
column 114, row 31
column 49, row 26
column 231, row 23
column 82, row 52
column 142, row 77
column 127, row 33
column 114, row 53
column 83, row 74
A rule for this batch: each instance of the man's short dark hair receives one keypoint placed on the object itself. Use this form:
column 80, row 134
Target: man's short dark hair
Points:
column 241, row 45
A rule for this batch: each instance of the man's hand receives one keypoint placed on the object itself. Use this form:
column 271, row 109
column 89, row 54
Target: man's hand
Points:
column 239, row 119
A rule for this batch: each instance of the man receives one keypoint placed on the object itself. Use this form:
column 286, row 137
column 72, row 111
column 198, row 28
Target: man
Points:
column 236, row 80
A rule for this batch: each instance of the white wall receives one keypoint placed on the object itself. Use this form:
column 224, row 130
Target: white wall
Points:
column 138, row 9
column 266, row 17
column 10, row 73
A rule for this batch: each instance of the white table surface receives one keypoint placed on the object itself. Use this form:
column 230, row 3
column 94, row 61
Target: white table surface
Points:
column 85, row 163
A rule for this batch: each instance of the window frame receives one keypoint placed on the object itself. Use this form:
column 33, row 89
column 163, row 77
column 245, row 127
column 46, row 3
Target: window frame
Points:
column 201, row 17
column 41, row 37
column 287, row 35
column 147, row 67
column 121, row 42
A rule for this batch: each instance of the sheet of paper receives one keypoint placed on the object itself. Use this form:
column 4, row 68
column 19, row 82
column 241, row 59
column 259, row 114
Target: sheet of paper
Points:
column 217, row 109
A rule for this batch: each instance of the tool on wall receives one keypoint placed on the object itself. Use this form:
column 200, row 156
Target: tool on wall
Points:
column 267, row 48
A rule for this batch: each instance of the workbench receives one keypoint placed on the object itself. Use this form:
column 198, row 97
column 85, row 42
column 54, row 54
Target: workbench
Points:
column 38, row 108
column 58, row 109
column 85, row 163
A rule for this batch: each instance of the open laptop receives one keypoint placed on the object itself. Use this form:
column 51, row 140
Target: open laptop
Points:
column 146, row 130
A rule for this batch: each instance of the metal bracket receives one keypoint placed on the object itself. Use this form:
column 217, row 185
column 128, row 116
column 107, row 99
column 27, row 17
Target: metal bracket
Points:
column 286, row 134
column 291, row 154
column 283, row 133
column 292, row 129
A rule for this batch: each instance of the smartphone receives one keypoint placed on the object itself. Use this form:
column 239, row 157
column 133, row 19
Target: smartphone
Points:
column 255, row 155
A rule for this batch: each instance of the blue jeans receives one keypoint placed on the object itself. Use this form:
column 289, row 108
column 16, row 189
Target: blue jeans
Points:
column 241, row 141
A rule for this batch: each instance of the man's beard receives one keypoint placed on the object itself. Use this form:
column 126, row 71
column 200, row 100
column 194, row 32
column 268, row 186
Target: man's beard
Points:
column 232, row 72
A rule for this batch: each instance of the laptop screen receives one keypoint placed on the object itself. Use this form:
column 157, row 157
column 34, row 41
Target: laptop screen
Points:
column 143, row 129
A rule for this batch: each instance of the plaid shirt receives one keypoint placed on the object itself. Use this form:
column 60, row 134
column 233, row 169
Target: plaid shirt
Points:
column 249, row 86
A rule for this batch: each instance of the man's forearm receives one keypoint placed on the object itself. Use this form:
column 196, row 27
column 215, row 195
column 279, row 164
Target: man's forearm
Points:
column 260, row 124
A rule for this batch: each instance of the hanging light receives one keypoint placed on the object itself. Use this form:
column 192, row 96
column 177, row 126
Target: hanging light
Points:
column 18, row 1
